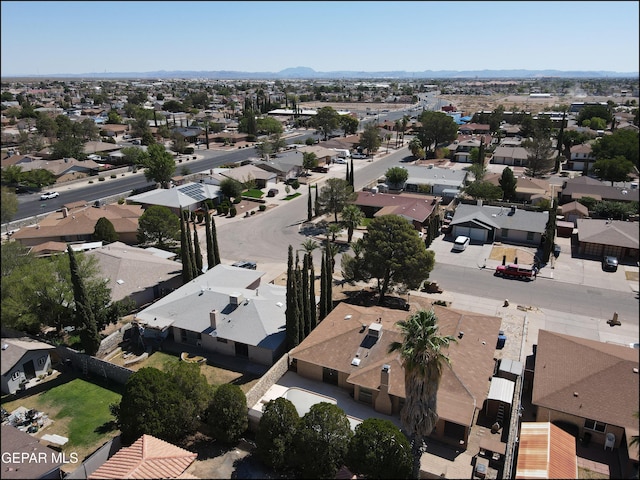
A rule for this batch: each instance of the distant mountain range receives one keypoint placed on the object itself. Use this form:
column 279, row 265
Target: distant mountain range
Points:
column 310, row 74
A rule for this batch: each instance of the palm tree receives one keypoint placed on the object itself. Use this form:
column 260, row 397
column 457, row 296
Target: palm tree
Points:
column 309, row 245
column 351, row 218
column 423, row 360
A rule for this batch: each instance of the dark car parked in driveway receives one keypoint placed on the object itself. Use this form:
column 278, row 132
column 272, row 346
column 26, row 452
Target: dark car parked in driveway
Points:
column 610, row 263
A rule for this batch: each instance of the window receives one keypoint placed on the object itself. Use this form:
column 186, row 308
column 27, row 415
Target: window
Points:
column 529, row 236
column 595, row 426
column 16, row 375
column 365, row 395
column 42, row 360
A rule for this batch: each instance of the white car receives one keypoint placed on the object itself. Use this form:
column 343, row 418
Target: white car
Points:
column 340, row 160
column 48, row 195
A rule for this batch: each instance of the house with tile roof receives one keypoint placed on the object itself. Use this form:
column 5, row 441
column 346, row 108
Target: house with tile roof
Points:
column 350, row 349
column 499, row 224
column 22, row 360
column 140, row 274
column 226, row 310
column 531, row 190
column 147, row 458
column 415, row 208
column 599, row 237
column 45, row 462
column 76, row 223
column 590, row 384
column 582, row 186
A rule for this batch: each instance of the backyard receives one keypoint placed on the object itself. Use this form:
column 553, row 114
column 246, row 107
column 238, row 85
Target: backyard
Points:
column 79, row 410
column 214, row 375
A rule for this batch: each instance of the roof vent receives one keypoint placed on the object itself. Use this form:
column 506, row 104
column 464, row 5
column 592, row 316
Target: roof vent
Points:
column 355, row 362
column 575, row 394
column 347, row 317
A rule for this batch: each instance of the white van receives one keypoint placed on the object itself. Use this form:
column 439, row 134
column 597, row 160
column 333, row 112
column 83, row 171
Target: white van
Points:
column 461, row 243
column 343, row 152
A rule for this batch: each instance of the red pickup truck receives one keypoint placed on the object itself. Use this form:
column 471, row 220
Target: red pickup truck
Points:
column 512, row 270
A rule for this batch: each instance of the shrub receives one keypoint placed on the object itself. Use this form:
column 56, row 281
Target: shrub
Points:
column 227, row 413
column 113, row 175
column 262, row 208
column 101, row 179
column 233, row 211
column 237, row 200
column 121, row 201
column 188, row 151
column 200, row 217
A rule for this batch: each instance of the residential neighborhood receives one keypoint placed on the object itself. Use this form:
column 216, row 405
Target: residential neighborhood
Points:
column 308, row 276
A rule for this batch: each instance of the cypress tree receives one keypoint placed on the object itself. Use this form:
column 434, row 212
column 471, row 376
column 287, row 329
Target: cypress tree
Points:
column 300, row 297
column 351, row 180
column 348, row 179
column 196, row 250
column 192, row 259
column 290, row 313
column 323, row 287
column 329, row 281
column 184, row 252
column 214, row 239
column 210, row 253
column 317, row 202
column 306, row 306
column 85, row 316
column 309, row 208
column 312, row 295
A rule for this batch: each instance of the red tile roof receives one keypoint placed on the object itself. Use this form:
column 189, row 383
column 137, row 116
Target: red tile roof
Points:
column 147, row 457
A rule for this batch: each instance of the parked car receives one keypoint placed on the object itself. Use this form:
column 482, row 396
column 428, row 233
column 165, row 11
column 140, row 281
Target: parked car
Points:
column 340, row 160
column 358, row 155
column 521, row 272
column 609, row 263
column 461, row 243
column 48, row 195
column 272, row 192
column 249, row 265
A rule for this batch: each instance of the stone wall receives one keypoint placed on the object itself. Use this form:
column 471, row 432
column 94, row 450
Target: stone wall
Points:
column 110, row 343
column 268, row 380
column 94, row 366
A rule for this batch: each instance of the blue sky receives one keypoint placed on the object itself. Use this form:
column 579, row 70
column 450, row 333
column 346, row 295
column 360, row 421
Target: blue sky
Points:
column 93, row 37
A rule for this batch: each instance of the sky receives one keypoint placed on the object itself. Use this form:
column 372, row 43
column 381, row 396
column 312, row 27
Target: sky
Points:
column 56, row 37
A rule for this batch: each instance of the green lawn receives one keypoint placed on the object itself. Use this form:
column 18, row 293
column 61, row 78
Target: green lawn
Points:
column 79, row 410
column 293, row 195
column 253, row 193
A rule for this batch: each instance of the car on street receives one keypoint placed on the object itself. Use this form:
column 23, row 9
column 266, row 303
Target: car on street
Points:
column 358, row 155
column 48, row 195
column 609, row 263
column 248, row 265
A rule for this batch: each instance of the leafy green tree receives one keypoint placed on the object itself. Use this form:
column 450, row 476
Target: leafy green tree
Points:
column 231, row 188
column 379, row 449
column 38, row 177
column 483, row 190
column 8, row 204
column 351, row 216
column 370, row 138
column 134, row 156
column 14, row 255
column 620, row 143
column 159, row 226
column 616, row 210
column 437, row 127
column 334, row 195
column 590, row 111
column 540, row 159
column 349, row 124
column 615, row 169
column 393, row 252
column 160, row 166
column 478, row 170
column 105, row 231
column 68, row 147
column 85, row 317
column 508, row 182
column 322, row 441
column 276, row 433
column 114, row 118
column 269, row 126
column 396, row 176
column 12, row 175
column 353, row 268
column 423, row 357
column 227, row 413
column 309, row 160
column 152, row 403
column 197, row 392
column 326, row 120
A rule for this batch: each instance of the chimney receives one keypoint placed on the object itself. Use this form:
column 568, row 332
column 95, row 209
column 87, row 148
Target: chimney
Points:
column 213, row 318
column 375, row 330
column 383, row 401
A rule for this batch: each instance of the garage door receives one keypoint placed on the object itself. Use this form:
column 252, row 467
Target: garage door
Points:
column 464, row 231
column 477, row 234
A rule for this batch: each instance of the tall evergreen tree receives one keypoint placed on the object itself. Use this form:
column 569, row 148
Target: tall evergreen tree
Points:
column 348, row 176
column 197, row 251
column 309, row 206
column 189, row 245
column 211, row 261
column 313, row 313
column 184, row 252
column 291, row 316
column 352, row 179
column 317, row 207
column 214, row 239
column 323, row 287
column 306, row 305
column 85, row 316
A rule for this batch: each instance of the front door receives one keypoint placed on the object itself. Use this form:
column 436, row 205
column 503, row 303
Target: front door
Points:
column 29, row 369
